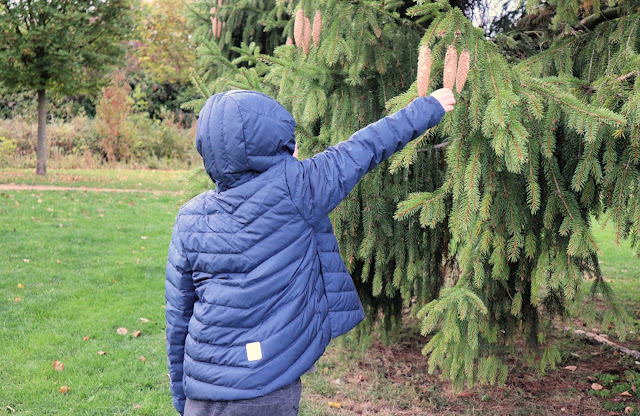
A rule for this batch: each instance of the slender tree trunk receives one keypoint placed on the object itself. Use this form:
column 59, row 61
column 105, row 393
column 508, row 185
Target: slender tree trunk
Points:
column 41, row 151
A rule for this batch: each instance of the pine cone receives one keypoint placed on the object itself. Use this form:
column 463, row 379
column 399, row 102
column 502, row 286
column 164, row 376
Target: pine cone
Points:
column 463, row 70
column 424, row 70
column 317, row 28
column 306, row 35
column 298, row 28
column 450, row 66
column 214, row 22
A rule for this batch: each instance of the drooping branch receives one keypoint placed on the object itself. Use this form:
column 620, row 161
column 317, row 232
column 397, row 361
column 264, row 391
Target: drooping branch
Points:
column 601, row 339
column 595, row 19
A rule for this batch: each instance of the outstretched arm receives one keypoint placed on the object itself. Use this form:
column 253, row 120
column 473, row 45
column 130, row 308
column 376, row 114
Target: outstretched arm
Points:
column 327, row 178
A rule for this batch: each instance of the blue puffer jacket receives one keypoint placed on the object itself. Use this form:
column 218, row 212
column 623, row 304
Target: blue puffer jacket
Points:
column 255, row 286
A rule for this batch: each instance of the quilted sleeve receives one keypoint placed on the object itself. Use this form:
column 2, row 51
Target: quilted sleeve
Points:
column 180, row 297
column 324, row 180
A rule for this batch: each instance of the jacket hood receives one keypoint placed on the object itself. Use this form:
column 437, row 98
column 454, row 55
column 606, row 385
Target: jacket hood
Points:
column 242, row 134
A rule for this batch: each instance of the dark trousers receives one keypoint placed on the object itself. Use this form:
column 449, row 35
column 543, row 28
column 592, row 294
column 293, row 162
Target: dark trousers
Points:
column 283, row 402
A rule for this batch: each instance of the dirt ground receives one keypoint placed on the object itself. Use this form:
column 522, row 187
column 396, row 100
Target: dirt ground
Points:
column 19, row 187
column 394, row 380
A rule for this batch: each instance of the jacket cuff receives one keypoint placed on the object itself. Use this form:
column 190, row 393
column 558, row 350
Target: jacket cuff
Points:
column 438, row 110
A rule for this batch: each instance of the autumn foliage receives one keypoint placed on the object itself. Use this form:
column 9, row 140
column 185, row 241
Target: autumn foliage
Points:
column 111, row 113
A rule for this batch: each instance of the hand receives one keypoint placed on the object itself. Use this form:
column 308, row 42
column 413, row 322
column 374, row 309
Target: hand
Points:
column 445, row 98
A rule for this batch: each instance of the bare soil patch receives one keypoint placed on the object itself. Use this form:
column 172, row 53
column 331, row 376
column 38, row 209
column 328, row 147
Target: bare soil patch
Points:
column 21, row 187
column 394, row 380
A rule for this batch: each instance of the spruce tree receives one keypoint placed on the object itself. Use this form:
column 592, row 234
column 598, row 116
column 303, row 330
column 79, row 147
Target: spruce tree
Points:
column 482, row 225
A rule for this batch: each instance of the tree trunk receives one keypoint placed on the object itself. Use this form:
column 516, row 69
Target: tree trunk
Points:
column 41, row 150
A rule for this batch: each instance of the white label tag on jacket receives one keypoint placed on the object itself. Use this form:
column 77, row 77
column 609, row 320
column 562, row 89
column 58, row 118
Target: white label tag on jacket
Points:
column 254, row 352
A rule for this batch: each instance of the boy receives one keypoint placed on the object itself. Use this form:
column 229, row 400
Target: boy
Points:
column 255, row 286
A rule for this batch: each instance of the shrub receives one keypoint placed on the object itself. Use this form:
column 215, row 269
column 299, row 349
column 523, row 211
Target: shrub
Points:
column 112, row 111
column 7, row 147
column 162, row 139
column 156, row 144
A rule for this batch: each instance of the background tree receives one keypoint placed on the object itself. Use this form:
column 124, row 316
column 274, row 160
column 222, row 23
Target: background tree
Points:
column 62, row 46
column 495, row 204
column 165, row 50
column 161, row 59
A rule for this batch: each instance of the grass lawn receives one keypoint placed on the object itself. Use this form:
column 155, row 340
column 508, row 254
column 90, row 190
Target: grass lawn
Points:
column 77, row 266
column 620, row 263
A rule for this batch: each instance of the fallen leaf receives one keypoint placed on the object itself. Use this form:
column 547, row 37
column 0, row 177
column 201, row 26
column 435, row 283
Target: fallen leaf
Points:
column 58, row 261
column 335, row 405
column 60, row 225
column 18, row 299
column 144, row 237
column 633, row 387
column 464, row 394
column 122, row 331
column 26, row 260
column 137, row 406
column 39, row 200
column 102, row 353
column 325, row 370
column 136, row 334
column 336, row 381
column 20, row 286
column 85, row 339
column 138, row 261
column 596, row 386
column 57, row 365
column 145, row 320
column 143, row 359
column 164, row 306
column 628, row 410
column 50, row 209
column 571, row 368
column 625, row 393
column 63, row 390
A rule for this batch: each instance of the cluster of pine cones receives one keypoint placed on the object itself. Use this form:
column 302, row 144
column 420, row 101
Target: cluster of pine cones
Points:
column 302, row 32
column 456, row 69
column 216, row 24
